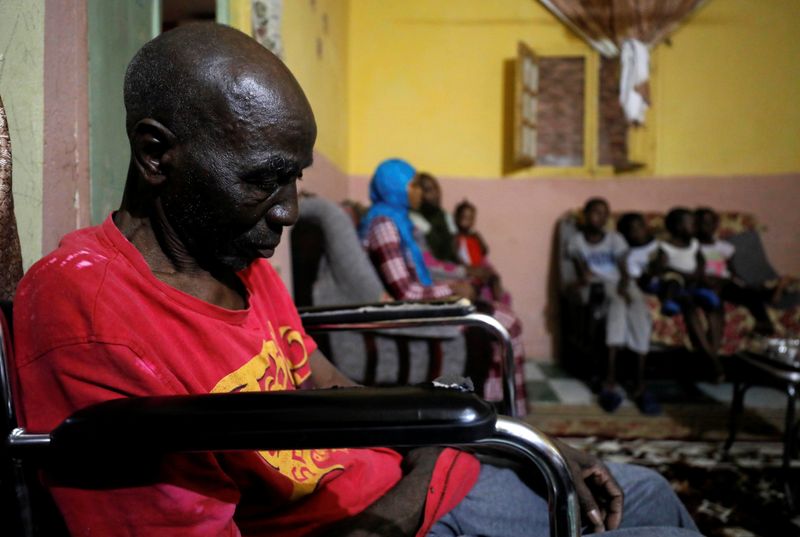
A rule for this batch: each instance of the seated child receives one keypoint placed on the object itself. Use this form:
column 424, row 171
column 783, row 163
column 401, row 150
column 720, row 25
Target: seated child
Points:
column 720, row 274
column 683, row 286
column 643, row 251
column 472, row 250
column 470, row 245
column 599, row 258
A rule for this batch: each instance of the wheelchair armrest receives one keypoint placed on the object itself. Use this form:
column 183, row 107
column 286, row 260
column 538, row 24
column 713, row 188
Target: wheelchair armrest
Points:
column 307, row 419
column 404, row 315
column 302, row 419
column 383, row 311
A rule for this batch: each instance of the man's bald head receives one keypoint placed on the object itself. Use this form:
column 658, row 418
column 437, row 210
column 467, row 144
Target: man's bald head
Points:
column 220, row 132
column 192, row 78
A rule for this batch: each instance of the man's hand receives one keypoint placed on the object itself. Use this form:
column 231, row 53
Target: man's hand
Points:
column 600, row 495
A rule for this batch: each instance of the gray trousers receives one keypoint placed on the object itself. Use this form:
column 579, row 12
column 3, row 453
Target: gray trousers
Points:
column 627, row 325
column 501, row 505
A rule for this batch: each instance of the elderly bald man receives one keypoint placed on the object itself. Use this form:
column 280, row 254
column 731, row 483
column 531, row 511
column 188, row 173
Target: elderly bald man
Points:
column 173, row 294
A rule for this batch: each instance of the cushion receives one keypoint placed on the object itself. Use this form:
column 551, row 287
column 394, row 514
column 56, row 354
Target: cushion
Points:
column 750, row 260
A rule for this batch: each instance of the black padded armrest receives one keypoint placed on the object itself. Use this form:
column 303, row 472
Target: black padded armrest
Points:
column 384, row 311
column 302, row 419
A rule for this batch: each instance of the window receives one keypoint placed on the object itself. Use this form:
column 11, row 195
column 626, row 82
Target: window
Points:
column 561, row 111
column 567, row 118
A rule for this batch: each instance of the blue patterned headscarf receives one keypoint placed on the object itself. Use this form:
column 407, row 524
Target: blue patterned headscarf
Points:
column 388, row 192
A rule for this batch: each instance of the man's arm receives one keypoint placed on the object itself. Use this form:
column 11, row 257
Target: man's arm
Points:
column 117, row 496
column 325, row 375
column 398, row 513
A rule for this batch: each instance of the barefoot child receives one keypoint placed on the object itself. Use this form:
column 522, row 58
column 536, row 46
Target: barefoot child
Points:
column 684, row 287
column 720, row 273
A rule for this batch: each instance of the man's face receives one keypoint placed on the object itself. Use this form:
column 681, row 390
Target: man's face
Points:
column 597, row 216
column 233, row 189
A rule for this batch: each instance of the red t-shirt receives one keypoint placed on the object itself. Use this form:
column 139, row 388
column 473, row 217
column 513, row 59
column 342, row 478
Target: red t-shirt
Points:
column 93, row 323
column 470, row 249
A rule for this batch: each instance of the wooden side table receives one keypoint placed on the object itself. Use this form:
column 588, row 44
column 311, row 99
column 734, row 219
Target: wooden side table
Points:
column 752, row 369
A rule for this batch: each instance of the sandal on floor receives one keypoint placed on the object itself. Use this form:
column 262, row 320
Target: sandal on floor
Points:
column 609, row 399
column 648, row 404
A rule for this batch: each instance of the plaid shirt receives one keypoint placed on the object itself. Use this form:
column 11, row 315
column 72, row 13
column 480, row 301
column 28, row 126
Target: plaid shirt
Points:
column 397, row 272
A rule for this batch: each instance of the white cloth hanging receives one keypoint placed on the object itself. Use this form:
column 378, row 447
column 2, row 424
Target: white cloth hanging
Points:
column 635, row 59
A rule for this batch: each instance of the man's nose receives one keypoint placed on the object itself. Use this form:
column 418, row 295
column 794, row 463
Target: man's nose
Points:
column 286, row 210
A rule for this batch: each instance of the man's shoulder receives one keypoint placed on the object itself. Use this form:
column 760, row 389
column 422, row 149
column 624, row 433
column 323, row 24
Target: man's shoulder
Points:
column 80, row 259
column 57, row 294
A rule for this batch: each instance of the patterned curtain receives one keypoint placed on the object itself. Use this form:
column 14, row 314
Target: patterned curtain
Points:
column 625, row 29
column 607, row 24
column 10, row 255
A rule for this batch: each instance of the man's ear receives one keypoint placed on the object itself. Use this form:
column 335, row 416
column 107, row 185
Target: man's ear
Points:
column 151, row 143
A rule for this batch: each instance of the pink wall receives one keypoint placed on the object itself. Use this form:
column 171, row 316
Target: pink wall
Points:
column 66, row 123
column 518, row 217
column 324, row 179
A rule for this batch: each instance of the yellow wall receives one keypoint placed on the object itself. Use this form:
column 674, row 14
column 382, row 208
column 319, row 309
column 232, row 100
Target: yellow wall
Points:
column 22, row 90
column 323, row 77
column 426, row 79
column 728, row 91
column 315, row 37
column 426, row 83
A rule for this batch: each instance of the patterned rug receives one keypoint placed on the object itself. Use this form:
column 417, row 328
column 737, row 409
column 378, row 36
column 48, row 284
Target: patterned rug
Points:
column 741, row 496
column 677, row 422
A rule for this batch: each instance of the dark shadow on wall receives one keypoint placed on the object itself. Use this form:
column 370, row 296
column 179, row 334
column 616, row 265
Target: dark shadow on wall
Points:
column 508, row 164
column 552, row 308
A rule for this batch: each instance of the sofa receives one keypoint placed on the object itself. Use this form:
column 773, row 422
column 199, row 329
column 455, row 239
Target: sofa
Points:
column 750, row 263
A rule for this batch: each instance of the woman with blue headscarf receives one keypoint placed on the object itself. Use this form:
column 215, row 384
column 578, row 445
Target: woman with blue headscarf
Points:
column 389, row 237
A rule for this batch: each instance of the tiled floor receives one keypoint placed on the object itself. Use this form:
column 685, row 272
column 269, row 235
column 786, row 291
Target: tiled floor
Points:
column 549, row 384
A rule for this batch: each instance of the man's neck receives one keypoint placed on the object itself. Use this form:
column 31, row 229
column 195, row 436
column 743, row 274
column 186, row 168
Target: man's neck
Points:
column 170, row 262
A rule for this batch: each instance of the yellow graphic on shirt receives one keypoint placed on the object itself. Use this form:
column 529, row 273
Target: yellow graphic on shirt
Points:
column 305, row 467
column 293, row 337
column 270, row 370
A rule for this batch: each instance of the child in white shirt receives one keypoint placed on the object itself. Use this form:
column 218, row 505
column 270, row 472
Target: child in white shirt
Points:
column 720, row 274
column 599, row 257
column 684, row 286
